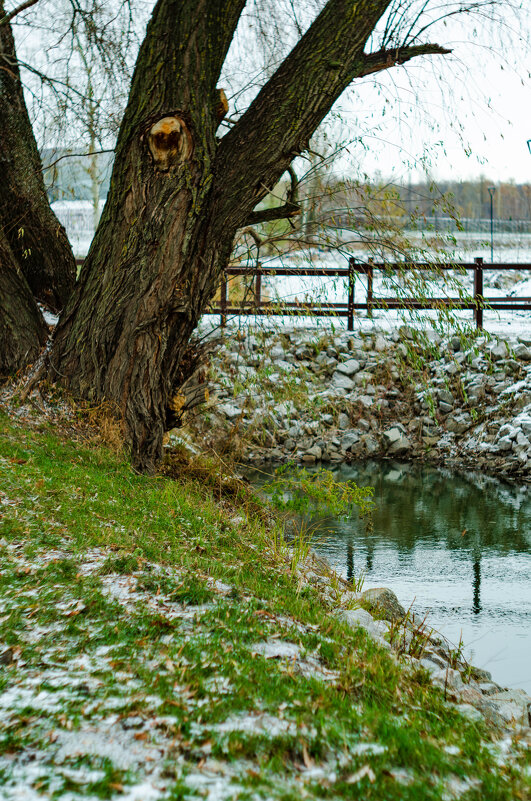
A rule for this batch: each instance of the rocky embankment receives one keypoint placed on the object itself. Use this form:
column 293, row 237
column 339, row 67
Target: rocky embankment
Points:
column 415, row 643
column 312, row 396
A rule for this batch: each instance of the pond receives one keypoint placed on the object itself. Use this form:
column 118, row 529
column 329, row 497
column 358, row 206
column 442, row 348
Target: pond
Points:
column 455, row 546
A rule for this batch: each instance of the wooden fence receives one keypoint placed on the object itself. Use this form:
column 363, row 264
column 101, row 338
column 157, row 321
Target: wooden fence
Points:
column 255, row 305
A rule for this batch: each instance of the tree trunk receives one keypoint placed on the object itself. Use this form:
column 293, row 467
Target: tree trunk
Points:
column 23, row 331
column 38, row 241
column 177, row 199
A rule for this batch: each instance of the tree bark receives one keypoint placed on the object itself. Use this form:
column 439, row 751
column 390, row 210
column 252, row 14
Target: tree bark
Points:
column 177, row 199
column 37, row 240
column 23, row 331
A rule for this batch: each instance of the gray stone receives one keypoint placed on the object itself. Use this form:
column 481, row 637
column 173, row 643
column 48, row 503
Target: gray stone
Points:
column 341, row 381
column 503, row 444
column 446, row 396
column 392, row 435
column 401, row 446
column 458, row 424
column 349, row 440
column 498, row 351
column 363, row 377
column 507, row 430
column 384, row 602
column 512, row 705
column 230, row 411
column 349, row 367
column 315, row 451
column 343, row 421
column 445, row 408
column 371, row 444
column 522, row 351
column 380, row 344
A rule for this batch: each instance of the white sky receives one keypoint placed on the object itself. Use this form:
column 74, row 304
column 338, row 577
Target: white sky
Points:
column 464, row 114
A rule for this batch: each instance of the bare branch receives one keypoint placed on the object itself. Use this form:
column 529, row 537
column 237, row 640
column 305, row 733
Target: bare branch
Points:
column 276, row 213
column 17, row 10
column 384, row 59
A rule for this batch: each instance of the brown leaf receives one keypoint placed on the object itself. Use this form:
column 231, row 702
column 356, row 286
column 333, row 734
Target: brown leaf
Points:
column 308, row 761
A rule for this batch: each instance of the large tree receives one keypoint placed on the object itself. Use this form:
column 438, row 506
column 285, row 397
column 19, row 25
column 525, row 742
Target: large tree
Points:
column 178, row 194
column 37, row 241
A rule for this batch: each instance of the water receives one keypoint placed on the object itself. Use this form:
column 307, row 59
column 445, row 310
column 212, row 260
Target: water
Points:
column 457, row 546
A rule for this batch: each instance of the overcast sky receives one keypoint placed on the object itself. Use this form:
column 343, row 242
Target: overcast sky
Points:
column 464, row 115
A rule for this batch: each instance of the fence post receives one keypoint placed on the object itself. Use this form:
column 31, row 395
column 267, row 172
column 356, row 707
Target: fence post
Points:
column 258, row 286
column 223, row 300
column 350, row 302
column 370, row 274
column 478, row 291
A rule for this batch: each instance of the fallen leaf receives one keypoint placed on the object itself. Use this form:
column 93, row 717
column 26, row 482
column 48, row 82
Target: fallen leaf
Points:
column 308, row 761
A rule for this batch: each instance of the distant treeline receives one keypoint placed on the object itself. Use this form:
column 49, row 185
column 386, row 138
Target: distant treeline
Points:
column 444, row 199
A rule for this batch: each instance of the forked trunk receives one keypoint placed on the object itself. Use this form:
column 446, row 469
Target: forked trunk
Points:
column 177, row 197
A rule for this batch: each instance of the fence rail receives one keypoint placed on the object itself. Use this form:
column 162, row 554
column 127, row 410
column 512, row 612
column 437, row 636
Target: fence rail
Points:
column 257, row 306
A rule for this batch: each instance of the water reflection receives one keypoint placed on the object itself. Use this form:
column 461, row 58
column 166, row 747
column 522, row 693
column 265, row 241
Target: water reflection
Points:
column 458, row 546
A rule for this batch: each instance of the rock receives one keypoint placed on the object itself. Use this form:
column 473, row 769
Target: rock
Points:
column 446, row 397
column 380, row 344
column 360, row 617
column 349, row 367
column 396, row 442
column 341, row 381
column 392, row 435
column 507, row 430
column 230, row 411
column 314, row 451
column 343, row 421
column 383, row 601
column 522, row 351
column 363, row 377
column 445, row 408
column 371, row 444
column 458, row 424
column 503, row 444
column 498, row 351
column 349, row 440
column 512, row 705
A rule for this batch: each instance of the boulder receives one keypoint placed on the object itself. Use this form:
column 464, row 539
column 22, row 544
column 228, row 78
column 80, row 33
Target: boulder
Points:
column 522, row 351
column 341, row 381
column 350, row 439
column 498, row 351
column 384, row 602
column 343, row 421
column 349, row 367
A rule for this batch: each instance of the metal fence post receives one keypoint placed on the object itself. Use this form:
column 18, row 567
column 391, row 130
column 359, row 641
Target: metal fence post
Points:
column 223, row 300
column 351, row 286
column 478, row 291
column 370, row 275
column 258, row 286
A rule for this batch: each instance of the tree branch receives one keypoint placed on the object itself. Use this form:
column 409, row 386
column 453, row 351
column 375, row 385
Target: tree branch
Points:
column 17, row 10
column 288, row 209
column 384, row 59
column 280, row 121
column 283, row 212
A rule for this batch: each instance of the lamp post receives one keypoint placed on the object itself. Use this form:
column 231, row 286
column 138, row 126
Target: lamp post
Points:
column 491, row 190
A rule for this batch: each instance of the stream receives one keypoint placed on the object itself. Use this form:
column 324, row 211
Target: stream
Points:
column 456, row 546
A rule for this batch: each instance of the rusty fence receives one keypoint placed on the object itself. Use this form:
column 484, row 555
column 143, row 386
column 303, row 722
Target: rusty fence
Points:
column 255, row 304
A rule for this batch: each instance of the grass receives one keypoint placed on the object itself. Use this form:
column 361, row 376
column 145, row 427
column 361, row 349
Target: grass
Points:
column 172, row 667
